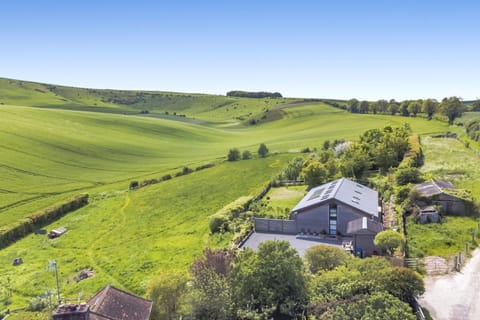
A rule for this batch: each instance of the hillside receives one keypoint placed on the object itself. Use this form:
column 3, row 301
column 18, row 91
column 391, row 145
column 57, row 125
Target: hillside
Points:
column 158, row 104
column 56, row 142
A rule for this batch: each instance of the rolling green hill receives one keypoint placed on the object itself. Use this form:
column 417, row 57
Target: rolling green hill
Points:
column 56, row 142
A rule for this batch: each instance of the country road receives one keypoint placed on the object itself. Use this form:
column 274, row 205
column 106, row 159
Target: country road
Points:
column 455, row 296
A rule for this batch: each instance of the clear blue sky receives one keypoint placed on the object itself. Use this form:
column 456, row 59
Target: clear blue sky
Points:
column 335, row 49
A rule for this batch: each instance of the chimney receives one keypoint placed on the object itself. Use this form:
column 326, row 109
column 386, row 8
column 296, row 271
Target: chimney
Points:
column 72, row 312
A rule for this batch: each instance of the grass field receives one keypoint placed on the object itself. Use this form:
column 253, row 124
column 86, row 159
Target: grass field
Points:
column 446, row 159
column 53, row 146
column 127, row 237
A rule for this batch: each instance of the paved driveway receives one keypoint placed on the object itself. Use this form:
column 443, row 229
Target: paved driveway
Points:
column 455, row 296
column 301, row 244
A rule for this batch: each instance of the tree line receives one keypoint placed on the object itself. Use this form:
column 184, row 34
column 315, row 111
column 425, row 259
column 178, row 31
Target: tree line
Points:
column 452, row 107
column 376, row 149
column 257, row 95
column 276, row 283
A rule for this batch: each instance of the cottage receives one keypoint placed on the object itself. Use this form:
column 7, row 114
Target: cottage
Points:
column 109, row 303
column 442, row 194
column 330, row 207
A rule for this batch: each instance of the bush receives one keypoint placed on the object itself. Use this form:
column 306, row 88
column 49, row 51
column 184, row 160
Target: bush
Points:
column 233, row 155
column 133, row 185
column 217, row 223
column 389, row 240
column 324, row 257
column 205, row 166
column 166, row 177
column 246, row 155
column 408, row 175
column 402, row 194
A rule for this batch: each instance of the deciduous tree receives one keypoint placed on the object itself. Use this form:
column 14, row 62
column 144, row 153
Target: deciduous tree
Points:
column 452, row 108
column 262, row 150
column 389, row 241
column 324, row 257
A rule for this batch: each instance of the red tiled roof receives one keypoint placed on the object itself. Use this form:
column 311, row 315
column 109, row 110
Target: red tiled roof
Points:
column 114, row 304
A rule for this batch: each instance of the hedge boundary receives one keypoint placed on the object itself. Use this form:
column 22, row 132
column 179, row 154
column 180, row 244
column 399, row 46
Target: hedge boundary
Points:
column 40, row 219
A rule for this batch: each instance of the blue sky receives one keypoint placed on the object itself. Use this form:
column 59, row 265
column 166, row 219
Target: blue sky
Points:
column 328, row 49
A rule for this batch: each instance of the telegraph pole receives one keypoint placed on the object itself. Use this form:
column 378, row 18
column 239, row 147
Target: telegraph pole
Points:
column 52, row 266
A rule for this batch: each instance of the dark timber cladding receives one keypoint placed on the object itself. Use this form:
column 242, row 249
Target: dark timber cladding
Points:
column 330, row 207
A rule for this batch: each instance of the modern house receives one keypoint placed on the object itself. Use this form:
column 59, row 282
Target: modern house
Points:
column 443, row 195
column 330, row 207
column 109, row 303
column 338, row 208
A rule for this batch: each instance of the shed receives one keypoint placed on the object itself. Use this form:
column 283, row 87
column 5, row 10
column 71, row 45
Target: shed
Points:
column 429, row 214
column 444, row 195
column 363, row 231
column 55, row 233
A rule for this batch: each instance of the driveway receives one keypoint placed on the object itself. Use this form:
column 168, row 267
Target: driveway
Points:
column 455, row 296
column 301, row 244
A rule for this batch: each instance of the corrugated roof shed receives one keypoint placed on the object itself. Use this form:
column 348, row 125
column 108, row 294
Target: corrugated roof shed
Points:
column 432, row 188
column 344, row 190
column 115, row 304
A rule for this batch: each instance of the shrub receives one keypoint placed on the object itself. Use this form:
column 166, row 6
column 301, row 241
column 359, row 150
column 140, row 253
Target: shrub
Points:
column 389, row 240
column 324, row 257
column 166, row 177
column 408, row 175
column 233, row 155
column 246, row 155
column 205, row 166
column 133, row 185
column 217, row 223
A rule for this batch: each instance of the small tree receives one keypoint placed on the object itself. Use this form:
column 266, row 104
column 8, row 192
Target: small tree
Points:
column 389, row 240
column 315, row 174
column 166, row 291
column 262, row 150
column 246, row 155
column 324, row 257
column 233, row 155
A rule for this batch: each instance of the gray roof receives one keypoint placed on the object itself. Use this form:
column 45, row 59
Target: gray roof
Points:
column 363, row 224
column 344, row 190
column 432, row 188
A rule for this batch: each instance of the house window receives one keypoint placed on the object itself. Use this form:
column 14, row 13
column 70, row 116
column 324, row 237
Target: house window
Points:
column 332, row 219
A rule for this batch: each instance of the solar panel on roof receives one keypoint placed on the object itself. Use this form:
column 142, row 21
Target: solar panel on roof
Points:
column 316, row 194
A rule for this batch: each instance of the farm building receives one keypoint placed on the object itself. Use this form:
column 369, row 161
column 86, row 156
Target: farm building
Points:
column 339, row 208
column 444, row 195
column 109, row 303
column 429, row 214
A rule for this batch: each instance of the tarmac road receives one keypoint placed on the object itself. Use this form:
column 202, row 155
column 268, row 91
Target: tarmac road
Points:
column 455, row 296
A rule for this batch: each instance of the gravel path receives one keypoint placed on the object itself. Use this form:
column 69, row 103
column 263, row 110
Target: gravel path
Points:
column 455, row 296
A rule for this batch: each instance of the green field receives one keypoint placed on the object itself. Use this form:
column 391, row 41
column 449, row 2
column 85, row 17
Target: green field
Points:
column 52, row 146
